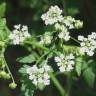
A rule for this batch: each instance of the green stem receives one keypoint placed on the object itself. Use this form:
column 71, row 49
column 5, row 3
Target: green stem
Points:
column 9, row 71
column 75, row 40
column 7, row 65
column 50, row 50
column 69, row 84
column 36, row 45
column 41, row 58
column 57, row 84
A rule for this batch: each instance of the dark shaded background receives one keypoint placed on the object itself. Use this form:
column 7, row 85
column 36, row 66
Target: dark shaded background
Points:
column 28, row 12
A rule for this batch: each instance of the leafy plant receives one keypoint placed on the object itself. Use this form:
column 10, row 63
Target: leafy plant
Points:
column 37, row 70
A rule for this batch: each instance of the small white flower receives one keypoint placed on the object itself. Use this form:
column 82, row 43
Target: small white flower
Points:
column 64, row 35
column 78, row 24
column 39, row 75
column 81, row 38
column 88, row 45
column 46, row 39
column 57, row 59
column 90, row 53
column 65, row 63
column 19, row 34
column 17, row 26
column 46, row 81
column 68, row 21
column 53, row 15
column 57, row 26
column 62, row 69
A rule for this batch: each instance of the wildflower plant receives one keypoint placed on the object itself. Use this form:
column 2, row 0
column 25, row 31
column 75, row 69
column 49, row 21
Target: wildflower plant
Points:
column 37, row 71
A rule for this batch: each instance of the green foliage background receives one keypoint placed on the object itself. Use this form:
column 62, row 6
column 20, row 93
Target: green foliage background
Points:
column 28, row 12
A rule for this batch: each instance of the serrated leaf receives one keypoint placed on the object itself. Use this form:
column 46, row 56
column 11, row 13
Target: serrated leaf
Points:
column 89, row 77
column 27, row 59
column 22, row 70
column 27, row 87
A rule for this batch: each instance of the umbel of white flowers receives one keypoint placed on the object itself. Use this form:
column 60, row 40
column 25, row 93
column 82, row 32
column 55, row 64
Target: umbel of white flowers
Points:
column 19, row 34
column 53, row 15
column 65, row 63
column 62, row 23
column 46, row 38
column 88, row 45
column 39, row 75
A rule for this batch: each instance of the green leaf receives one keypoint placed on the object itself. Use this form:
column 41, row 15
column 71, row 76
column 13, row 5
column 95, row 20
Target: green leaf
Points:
column 22, row 70
column 4, row 31
column 27, row 87
column 89, row 77
column 2, row 9
column 27, row 59
column 78, row 66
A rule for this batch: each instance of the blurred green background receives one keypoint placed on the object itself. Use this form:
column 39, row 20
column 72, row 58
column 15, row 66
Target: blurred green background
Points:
column 28, row 12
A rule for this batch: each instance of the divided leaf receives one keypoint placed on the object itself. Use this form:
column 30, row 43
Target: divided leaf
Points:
column 27, row 87
column 27, row 59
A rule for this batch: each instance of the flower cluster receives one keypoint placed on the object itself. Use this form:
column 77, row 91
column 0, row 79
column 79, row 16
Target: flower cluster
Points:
column 46, row 38
column 65, row 63
column 52, row 16
column 63, row 32
column 39, row 75
column 68, row 21
column 19, row 34
column 88, row 45
column 62, row 23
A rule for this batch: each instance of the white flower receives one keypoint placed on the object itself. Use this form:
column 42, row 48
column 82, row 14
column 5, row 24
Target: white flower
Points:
column 19, row 34
column 68, row 21
column 39, row 75
column 46, row 82
column 65, row 63
column 78, row 24
column 46, row 39
column 64, row 35
column 53, row 15
column 88, row 45
column 81, row 38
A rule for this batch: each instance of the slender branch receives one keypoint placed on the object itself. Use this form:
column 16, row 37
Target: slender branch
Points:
column 7, row 66
column 75, row 40
column 57, row 84
column 36, row 45
column 69, row 84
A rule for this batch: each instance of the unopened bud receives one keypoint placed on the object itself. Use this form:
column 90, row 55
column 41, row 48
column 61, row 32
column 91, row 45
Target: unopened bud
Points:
column 12, row 85
column 78, row 24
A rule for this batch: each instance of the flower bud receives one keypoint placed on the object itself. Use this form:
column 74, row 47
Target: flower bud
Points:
column 7, row 76
column 2, row 74
column 13, row 85
column 78, row 24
